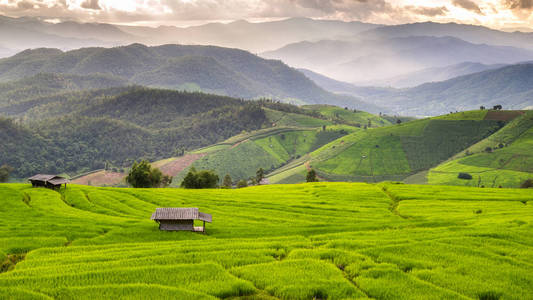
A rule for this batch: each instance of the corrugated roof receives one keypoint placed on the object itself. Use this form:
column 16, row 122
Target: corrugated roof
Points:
column 180, row 213
column 57, row 181
column 43, row 177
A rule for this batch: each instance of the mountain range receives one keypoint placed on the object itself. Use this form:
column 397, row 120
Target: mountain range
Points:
column 222, row 71
column 367, row 60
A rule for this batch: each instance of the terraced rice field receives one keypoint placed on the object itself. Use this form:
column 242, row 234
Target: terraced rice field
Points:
column 322, row 240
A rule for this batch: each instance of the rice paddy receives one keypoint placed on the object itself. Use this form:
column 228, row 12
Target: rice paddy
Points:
column 305, row 241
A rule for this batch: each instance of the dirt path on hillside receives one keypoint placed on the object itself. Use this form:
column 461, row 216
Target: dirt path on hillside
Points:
column 101, row 178
column 243, row 141
column 174, row 167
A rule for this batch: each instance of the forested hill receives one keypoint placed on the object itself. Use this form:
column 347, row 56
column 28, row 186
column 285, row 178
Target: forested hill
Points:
column 76, row 133
column 217, row 70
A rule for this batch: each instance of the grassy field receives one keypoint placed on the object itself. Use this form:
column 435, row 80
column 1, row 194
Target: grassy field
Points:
column 323, row 240
column 508, row 163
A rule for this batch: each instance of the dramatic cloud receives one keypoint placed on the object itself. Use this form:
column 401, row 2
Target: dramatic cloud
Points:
column 91, row 4
column 495, row 13
column 469, row 5
column 519, row 4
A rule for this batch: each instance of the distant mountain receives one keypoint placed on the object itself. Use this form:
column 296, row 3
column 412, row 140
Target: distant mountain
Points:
column 510, row 86
column 255, row 37
column 470, row 33
column 435, row 74
column 17, row 34
column 363, row 59
column 210, row 69
column 341, row 87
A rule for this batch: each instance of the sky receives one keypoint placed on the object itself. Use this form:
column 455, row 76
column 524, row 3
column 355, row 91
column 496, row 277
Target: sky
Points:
column 491, row 13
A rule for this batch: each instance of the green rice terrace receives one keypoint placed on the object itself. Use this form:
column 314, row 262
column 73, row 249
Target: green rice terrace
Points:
column 305, row 241
column 407, row 151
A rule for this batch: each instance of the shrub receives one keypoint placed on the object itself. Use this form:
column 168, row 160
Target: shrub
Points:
column 242, row 183
column 200, row 180
column 142, row 175
column 311, row 176
column 5, row 170
column 227, row 183
column 488, row 149
column 527, row 184
column 464, row 176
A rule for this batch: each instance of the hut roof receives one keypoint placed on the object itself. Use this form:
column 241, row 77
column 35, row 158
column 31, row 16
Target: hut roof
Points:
column 42, row 177
column 180, row 213
column 58, row 180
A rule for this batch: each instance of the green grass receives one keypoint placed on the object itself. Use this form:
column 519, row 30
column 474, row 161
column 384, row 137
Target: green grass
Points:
column 508, row 165
column 347, row 116
column 269, row 149
column 396, row 152
column 323, row 240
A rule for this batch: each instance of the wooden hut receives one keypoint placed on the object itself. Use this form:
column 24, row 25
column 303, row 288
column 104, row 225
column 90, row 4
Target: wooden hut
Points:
column 48, row 181
column 180, row 218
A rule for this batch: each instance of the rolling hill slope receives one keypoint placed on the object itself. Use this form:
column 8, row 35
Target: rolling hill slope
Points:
column 394, row 152
column 503, row 159
column 210, row 69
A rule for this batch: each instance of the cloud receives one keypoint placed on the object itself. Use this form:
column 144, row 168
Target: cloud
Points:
column 519, row 4
column 428, row 11
column 468, row 5
column 91, row 4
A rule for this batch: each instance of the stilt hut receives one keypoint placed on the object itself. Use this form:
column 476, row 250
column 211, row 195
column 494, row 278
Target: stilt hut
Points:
column 48, row 181
column 180, row 218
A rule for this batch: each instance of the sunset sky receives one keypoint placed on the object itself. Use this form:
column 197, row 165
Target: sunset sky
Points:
column 492, row 13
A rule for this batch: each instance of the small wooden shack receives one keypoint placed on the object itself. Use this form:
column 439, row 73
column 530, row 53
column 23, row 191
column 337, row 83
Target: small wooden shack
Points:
column 180, row 218
column 48, row 181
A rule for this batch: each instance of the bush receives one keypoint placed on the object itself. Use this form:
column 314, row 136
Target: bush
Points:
column 527, row 184
column 488, row 149
column 464, row 176
column 311, row 176
column 142, row 175
column 227, row 182
column 242, row 183
column 200, row 180
column 5, row 170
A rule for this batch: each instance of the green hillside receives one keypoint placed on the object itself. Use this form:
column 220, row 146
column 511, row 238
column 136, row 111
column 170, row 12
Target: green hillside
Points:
column 348, row 116
column 210, row 69
column 503, row 159
column 243, row 155
column 393, row 152
column 82, row 133
column 323, row 240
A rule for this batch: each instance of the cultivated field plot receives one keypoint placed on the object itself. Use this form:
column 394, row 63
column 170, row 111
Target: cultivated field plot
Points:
column 321, row 240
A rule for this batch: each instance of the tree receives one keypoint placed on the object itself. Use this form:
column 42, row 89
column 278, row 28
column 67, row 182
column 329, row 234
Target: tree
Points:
column 311, row 176
column 482, row 107
column 142, row 175
column 242, row 184
column 5, row 170
column 497, row 107
column 259, row 175
column 465, row 176
column 227, row 183
column 527, row 184
column 398, row 121
column 200, row 180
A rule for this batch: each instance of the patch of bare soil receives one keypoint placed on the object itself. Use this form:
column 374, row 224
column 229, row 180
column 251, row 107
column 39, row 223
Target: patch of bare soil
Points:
column 101, row 178
column 174, row 167
column 502, row 115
